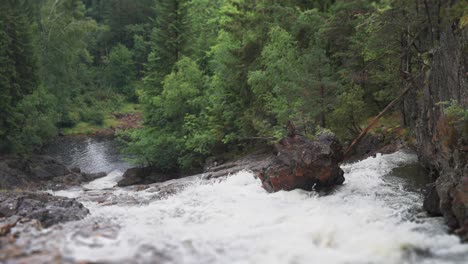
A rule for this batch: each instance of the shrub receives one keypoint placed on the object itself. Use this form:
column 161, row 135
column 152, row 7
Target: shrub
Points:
column 93, row 116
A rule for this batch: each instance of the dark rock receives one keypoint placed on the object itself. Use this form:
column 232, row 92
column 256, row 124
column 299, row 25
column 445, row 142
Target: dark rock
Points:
column 93, row 176
column 210, row 163
column 76, row 170
column 39, row 172
column 332, row 141
column 301, row 163
column 134, row 176
column 8, row 206
column 45, row 208
column 432, row 201
column 460, row 207
column 442, row 142
column 144, row 175
column 55, row 169
column 7, row 224
column 137, row 172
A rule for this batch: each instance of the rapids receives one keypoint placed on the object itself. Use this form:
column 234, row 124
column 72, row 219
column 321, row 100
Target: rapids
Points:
column 375, row 217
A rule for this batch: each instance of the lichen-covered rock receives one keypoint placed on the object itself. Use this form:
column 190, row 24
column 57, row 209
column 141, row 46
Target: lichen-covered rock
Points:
column 302, row 163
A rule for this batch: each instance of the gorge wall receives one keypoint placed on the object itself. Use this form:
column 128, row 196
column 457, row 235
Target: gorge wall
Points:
column 441, row 137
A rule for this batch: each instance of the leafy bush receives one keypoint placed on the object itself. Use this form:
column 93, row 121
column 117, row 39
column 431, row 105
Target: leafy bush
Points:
column 93, row 116
column 70, row 119
column 151, row 147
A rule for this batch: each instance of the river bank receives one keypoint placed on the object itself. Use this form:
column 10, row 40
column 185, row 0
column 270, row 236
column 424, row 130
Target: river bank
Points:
column 128, row 116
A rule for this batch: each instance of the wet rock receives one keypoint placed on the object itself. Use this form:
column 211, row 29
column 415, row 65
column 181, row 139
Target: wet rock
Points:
column 211, row 162
column 134, row 176
column 39, row 172
column 144, row 175
column 302, row 163
column 93, row 176
column 76, row 170
column 460, row 207
column 7, row 224
column 254, row 162
column 432, row 201
column 45, row 208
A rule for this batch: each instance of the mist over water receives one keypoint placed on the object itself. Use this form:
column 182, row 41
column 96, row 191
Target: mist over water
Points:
column 375, row 217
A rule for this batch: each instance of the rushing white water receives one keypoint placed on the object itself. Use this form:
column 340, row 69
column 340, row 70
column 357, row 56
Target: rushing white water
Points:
column 372, row 218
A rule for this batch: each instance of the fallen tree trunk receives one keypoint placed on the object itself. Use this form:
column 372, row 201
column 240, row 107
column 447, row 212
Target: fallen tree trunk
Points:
column 377, row 118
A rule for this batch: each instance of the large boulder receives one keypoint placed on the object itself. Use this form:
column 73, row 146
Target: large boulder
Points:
column 43, row 207
column 302, row 163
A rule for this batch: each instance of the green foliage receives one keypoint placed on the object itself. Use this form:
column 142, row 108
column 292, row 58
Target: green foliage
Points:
column 34, row 118
column 70, row 118
column 18, row 78
column 64, row 56
column 92, row 116
column 349, row 113
column 213, row 76
column 455, row 111
column 173, row 121
column 278, row 86
column 152, row 147
column 120, row 70
column 168, row 39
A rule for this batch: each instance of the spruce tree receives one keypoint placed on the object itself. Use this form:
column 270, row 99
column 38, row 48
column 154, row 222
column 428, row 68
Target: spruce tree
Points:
column 168, row 39
column 18, row 67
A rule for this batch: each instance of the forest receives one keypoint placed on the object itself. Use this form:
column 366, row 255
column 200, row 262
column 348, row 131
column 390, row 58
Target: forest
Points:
column 210, row 76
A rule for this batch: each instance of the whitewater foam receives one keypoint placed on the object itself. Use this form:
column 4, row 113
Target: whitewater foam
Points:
column 235, row 221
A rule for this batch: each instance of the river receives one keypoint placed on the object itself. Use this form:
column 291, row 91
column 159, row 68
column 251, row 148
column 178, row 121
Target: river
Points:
column 375, row 217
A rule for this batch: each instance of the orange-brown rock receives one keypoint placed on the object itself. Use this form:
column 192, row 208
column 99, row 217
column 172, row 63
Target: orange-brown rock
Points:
column 302, row 163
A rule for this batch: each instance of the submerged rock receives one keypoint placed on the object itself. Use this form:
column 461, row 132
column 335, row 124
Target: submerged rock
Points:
column 302, row 163
column 44, row 207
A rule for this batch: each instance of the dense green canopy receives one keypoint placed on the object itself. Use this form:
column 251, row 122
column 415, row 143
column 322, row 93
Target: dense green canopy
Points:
column 213, row 76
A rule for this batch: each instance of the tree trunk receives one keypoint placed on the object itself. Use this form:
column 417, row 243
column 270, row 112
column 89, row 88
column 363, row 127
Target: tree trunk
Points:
column 374, row 121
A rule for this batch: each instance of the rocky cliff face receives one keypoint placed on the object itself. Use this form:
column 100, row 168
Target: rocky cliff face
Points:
column 442, row 138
